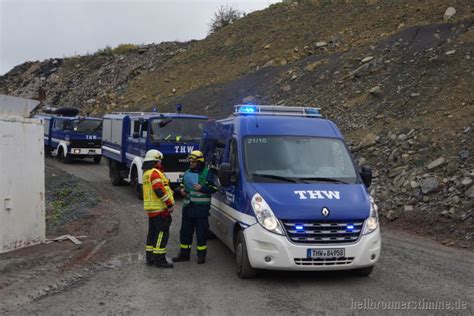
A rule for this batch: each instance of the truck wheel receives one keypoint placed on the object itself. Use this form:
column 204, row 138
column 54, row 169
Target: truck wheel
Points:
column 114, row 174
column 97, row 159
column 47, row 152
column 244, row 269
column 60, row 155
column 135, row 185
column 363, row 271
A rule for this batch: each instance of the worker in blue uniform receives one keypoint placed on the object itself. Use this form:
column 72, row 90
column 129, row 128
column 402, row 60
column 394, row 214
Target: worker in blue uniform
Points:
column 197, row 187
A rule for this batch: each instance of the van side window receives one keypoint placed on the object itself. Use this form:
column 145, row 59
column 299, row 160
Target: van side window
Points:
column 218, row 148
column 233, row 155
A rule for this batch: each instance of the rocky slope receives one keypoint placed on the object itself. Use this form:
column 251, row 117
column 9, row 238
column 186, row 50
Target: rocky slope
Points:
column 396, row 76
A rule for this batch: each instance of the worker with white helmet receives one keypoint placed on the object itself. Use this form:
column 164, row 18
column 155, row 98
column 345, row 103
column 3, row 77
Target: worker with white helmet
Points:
column 158, row 202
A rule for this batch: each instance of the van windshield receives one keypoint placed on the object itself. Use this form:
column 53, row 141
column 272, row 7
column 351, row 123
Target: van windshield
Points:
column 298, row 159
column 176, row 129
column 87, row 126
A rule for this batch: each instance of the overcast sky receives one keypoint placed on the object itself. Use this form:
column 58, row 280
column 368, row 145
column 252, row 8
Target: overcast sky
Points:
column 42, row 29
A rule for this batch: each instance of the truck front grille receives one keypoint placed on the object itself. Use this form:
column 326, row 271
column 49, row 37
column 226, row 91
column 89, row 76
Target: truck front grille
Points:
column 323, row 232
column 324, row 262
column 83, row 143
column 175, row 163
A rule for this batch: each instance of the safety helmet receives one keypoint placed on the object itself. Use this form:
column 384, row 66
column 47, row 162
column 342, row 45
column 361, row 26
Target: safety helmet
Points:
column 196, row 155
column 153, row 155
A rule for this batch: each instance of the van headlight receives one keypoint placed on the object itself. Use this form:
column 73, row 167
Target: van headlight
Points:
column 372, row 222
column 265, row 216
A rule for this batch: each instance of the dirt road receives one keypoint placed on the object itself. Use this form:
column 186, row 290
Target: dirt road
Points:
column 413, row 274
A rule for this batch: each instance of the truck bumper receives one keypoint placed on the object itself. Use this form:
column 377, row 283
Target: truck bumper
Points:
column 267, row 250
column 89, row 152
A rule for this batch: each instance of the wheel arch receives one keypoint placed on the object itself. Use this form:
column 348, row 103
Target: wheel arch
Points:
column 136, row 163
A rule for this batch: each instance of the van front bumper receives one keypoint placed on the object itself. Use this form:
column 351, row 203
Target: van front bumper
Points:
column 267, row 250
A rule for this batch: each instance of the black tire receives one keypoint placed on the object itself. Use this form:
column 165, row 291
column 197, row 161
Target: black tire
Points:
column 60, row 155
column 363, row 272
column 244, row 269
column 135, row 184
column 47, row 152
column 114, row 173
column 97, row 159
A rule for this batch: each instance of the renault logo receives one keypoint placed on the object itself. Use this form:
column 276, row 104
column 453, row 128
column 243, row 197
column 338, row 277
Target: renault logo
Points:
column 325, row 212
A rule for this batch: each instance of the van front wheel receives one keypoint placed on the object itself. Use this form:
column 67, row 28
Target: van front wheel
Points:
column 244, row 269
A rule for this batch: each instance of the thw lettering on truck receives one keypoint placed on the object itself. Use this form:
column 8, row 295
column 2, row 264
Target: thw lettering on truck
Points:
column 183, row 149
column 318, row 195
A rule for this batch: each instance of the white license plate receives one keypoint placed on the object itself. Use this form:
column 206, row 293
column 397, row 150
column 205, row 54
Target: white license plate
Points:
column 92, row 151
column 326, row 253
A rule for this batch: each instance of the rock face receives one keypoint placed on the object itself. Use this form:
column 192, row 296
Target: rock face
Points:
column 396, row 85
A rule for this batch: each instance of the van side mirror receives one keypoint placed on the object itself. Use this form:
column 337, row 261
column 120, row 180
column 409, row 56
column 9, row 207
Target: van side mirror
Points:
column 366, row 175
column 226, row 174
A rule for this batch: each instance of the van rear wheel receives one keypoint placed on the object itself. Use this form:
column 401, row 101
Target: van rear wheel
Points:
column 244, row 269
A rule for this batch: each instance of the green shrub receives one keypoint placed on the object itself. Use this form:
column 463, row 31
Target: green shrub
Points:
column 106, row 51
column 124, row 48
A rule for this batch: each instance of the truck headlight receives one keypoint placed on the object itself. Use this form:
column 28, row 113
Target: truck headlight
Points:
column 265, row 216
column 372, row 222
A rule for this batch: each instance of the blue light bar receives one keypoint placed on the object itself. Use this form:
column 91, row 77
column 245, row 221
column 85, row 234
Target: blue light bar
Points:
column 248, row 109
column 299, row 227
column 350, row 227
column 279, row 110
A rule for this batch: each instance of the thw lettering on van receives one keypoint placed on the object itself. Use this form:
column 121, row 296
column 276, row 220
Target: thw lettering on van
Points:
column 183, row 149
column 318, row 195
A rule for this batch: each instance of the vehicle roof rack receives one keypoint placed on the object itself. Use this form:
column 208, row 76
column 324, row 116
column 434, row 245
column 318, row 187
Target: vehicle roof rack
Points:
column 133, row 113
column 247, row 109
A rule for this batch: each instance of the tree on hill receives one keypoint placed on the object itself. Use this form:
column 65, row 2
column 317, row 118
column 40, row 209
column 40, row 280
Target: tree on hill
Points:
column 224, row 16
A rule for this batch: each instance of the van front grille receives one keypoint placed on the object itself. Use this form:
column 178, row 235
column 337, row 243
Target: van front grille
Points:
column 323, row 232
column 324, row 261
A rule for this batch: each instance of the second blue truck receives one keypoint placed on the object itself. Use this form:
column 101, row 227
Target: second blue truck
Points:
column 127, row 136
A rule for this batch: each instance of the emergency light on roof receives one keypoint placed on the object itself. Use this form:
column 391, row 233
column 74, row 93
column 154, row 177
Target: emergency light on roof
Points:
column 276, row 110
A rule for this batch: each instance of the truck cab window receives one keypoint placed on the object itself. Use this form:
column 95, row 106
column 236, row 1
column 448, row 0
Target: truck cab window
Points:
column 144, row 128
column 134, row 128
column 58, row 124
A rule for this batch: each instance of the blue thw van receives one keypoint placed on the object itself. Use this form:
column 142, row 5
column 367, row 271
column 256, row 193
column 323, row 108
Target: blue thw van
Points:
column 290, row 196
column 68, row 137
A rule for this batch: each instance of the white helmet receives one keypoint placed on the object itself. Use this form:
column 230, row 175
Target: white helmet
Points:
column 153, row 155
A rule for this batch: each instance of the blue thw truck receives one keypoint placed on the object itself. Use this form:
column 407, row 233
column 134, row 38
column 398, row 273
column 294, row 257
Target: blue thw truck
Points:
column 68, row 137
column 290, row 196
column 127, row 136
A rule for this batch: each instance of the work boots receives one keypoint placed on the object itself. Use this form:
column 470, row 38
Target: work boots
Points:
column 184, row 255
column 201, row 255
column 149, row 258
column 161, row 262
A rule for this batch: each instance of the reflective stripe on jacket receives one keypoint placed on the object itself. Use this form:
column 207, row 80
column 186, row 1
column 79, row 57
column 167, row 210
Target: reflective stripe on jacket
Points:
column 151, row 202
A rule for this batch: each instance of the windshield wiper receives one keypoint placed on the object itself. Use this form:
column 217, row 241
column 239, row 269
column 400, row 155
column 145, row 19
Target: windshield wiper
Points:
column 272, row 176
column 323, row 179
